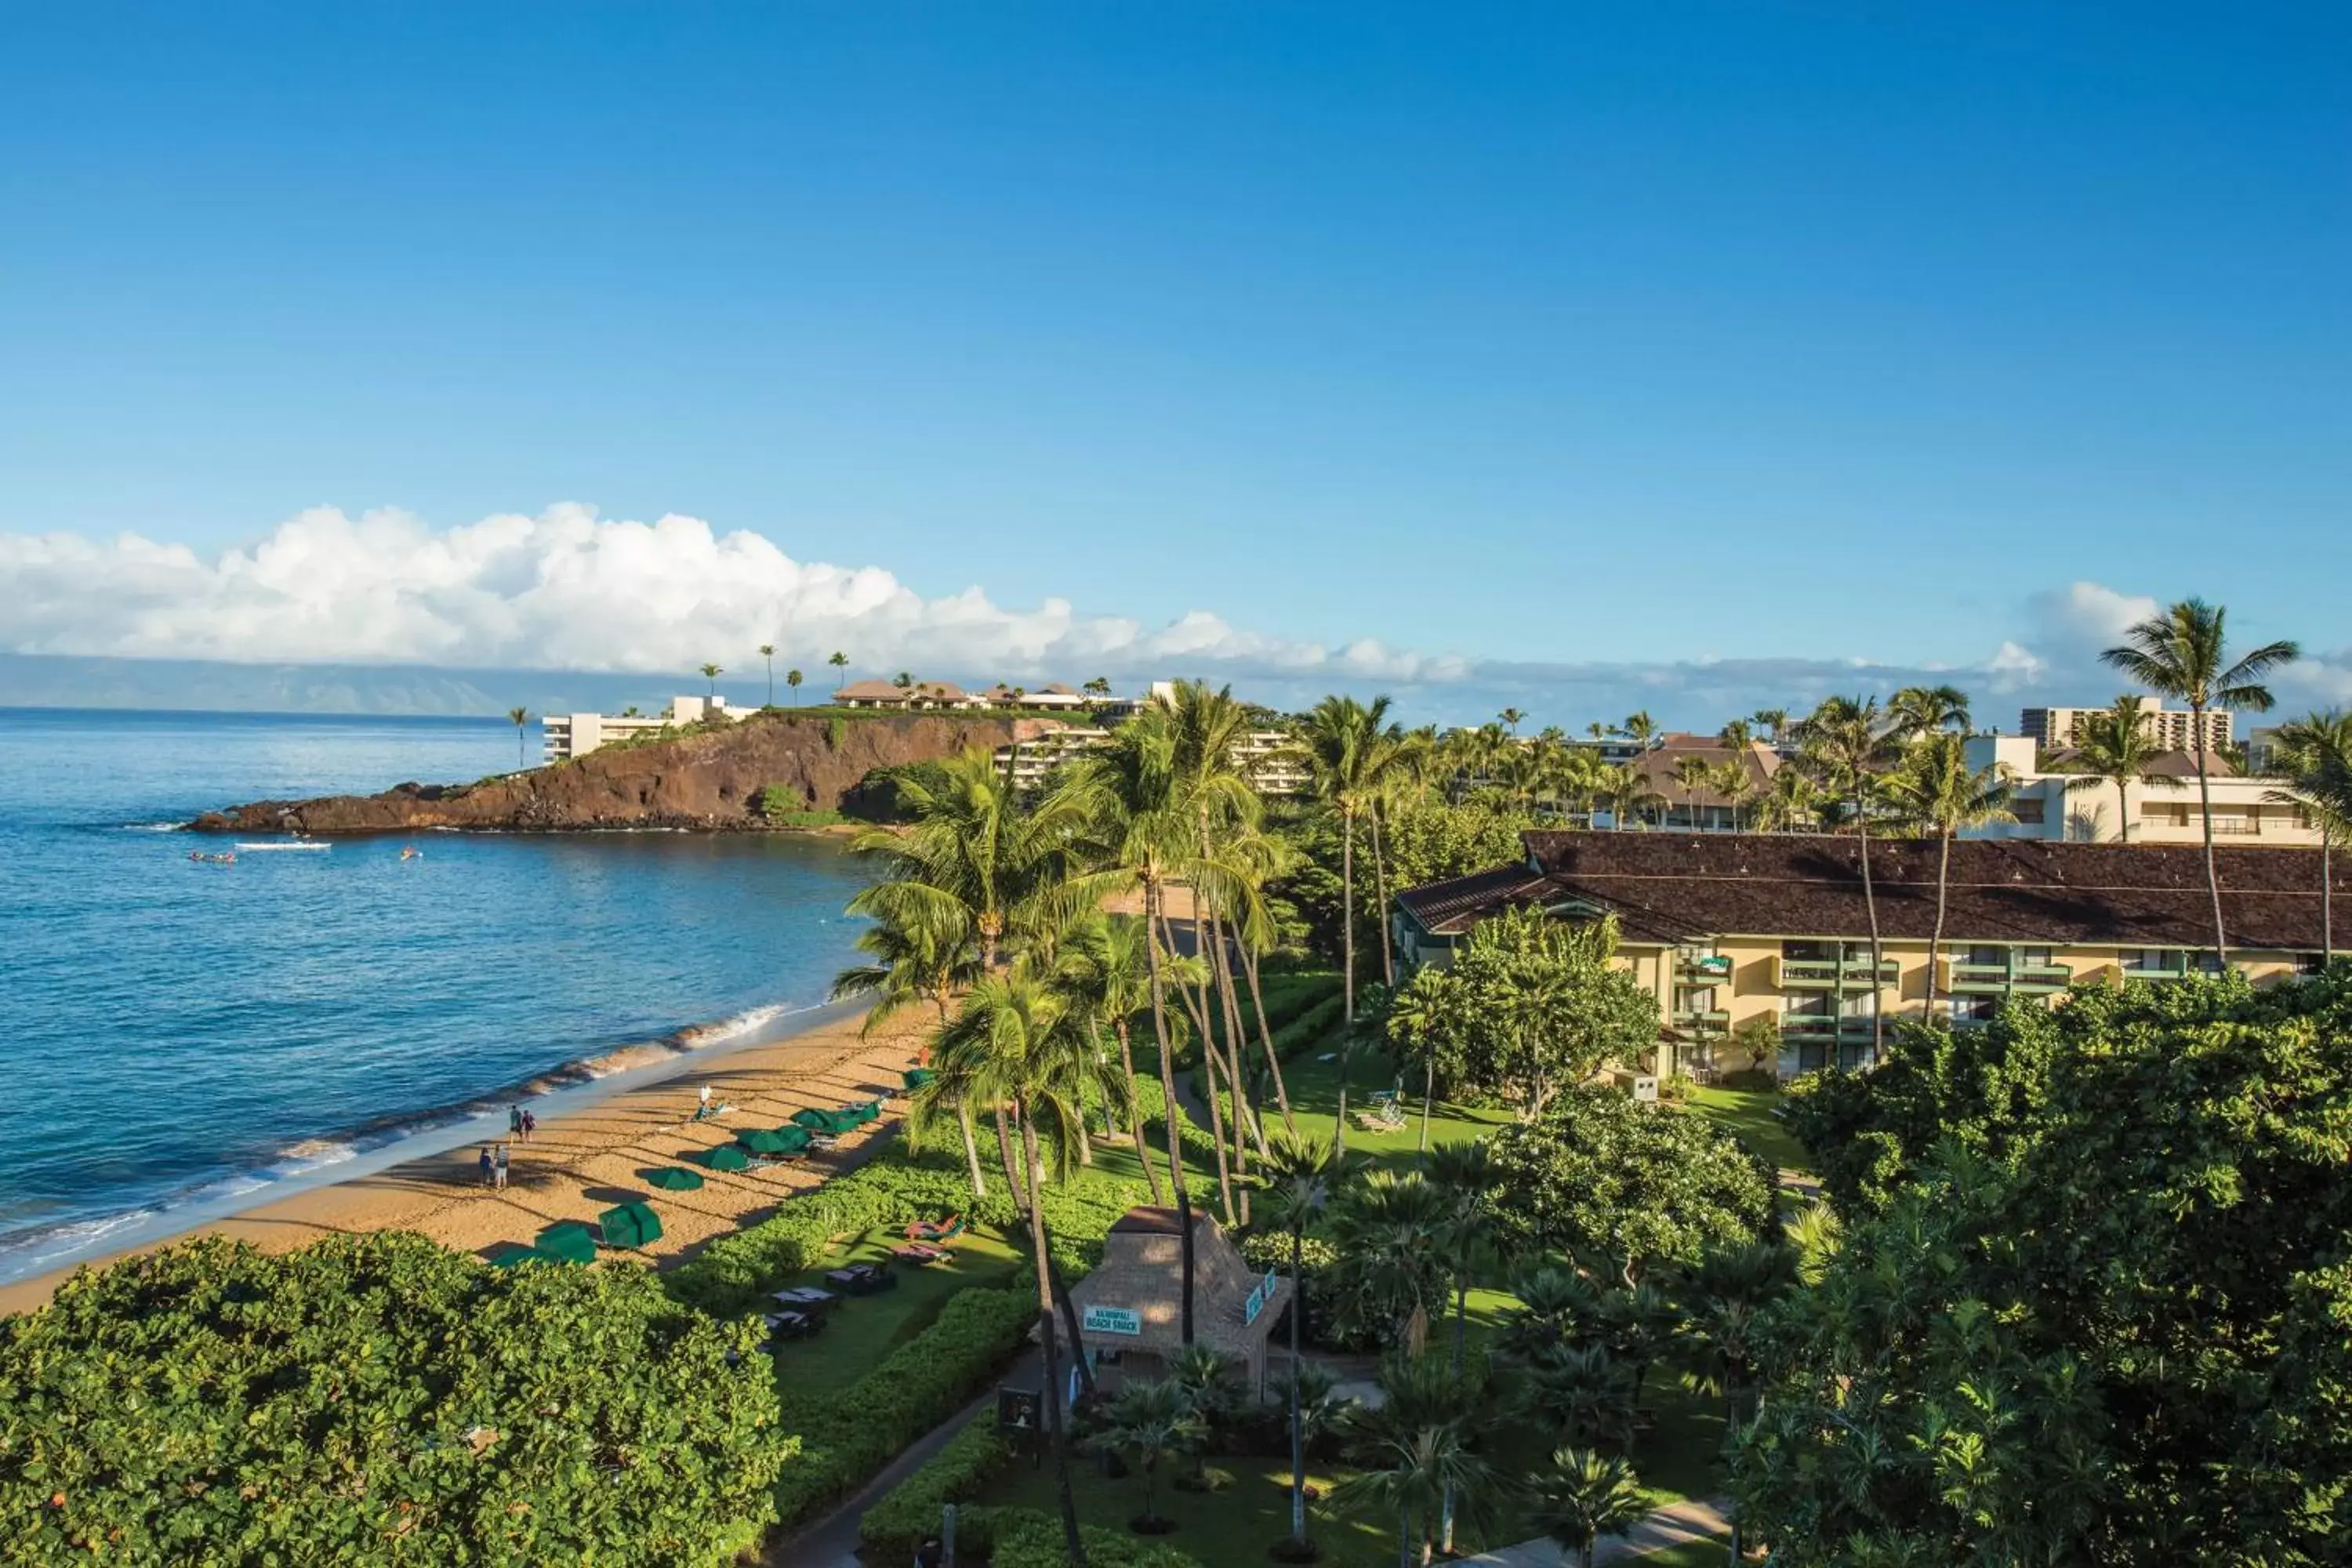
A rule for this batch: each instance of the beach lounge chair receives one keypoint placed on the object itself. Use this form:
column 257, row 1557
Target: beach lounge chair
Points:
column 935, row 1231
column 920, row 1252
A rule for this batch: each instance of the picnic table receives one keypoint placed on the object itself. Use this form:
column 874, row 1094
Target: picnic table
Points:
column 862, row 1279
column 806, row 1299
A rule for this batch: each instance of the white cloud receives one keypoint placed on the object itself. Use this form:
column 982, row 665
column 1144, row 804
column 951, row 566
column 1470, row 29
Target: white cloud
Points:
column 569, row 590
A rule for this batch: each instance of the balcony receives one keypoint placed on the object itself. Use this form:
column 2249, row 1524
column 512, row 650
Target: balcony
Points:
column 2042, row 977
column 1702, row 969
column 1829, row 975
column 1808, row 1029
column 1966, row 979
column 1702, row 1017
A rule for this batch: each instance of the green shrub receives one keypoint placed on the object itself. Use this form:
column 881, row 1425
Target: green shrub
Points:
column 836, row 730
column 1027, row 1538
column 846, row 1436
column 908, row 1513
column 378, row 1399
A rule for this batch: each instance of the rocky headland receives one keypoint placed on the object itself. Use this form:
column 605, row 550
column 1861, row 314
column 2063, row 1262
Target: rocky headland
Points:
column 708, row 780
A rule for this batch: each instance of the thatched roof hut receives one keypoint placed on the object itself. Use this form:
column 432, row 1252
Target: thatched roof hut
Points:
column 1131, row 1307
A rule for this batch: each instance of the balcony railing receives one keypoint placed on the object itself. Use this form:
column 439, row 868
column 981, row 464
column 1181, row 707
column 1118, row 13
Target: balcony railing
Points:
column 1964, row 977
column 1830, row 973
column 2042, row 977
column 1694, row 1018
column 1708, row 969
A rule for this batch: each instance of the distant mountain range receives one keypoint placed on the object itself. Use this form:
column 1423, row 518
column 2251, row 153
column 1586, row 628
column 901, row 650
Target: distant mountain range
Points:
column 45, row 681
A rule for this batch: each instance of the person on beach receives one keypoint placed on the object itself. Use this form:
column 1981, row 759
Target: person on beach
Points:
column 500, row 1184
column 704, row 1110
column 529, row 1125
column 486, row 1163
column 514, row 1121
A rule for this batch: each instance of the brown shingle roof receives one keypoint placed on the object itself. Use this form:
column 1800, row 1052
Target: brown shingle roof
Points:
column 1657, row 764
column 1679, row 887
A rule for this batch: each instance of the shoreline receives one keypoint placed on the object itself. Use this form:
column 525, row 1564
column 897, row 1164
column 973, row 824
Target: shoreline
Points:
column 592, row 1139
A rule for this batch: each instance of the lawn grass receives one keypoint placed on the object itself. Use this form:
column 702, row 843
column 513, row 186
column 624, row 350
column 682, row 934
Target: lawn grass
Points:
column 1747, row 1114
column 862, row 1330
column 1314, row 1085
column 1710, row 1552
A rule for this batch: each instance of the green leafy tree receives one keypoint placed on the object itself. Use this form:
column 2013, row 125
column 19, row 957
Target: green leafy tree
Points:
column 2184, row 654
column 2118, row 747
column 2100, row 1315
column 1726, row 1297
column 380, row 1399
column 1154, row 1422
column 1394, row 1236
column 1415, row 1450
column 1602, row 1175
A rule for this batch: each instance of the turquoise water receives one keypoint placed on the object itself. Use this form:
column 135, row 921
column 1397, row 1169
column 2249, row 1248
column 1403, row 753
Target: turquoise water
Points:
column 181, row 1038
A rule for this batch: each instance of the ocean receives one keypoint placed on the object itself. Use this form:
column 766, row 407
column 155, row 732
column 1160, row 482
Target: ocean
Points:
column 181, row 1040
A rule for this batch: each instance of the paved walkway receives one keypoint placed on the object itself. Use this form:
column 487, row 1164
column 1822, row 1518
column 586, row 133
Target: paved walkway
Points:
column 832, row 1541
column 1685, row 1521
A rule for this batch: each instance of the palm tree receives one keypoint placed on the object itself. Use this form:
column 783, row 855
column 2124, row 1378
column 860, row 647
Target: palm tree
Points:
column 1791, row 801
column 1299, row 1173
column 1353, row 754
column 1693, row 774
column 2313, row 757
column 1155, row 1422
column 792, row 679
column 904, row 681
column 1583, row 1496
column 712, row 672
column 1464, row 1173
column 1724, row 1297
column 1104, row 970
column 1510, row 718
column 1738, row 735
column 1735, row 783
column 519, row 717
column 1136, row 827
column 1771, row 720
column 2184, row 653
column 1414, row 1449
column 1917, row 710
column 840, row 662
column 1942, row 795
column 768, row 653
column 1098, row 686
column 1640, row 729
column 1845, row 742
column 2119, row 747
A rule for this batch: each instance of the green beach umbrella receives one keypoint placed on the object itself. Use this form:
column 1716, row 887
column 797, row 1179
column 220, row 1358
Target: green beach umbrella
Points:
column 726, row 1157
column 519, row 1255
column 915, row 1078
column 761, row 1142
column 630, row 1225
column 795, row 1139
column 568, row 1242
column 813, row 1118
column 673, row 1179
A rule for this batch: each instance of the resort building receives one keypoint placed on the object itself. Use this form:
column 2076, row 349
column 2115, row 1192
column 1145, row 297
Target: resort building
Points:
column 567, row 735
column 1030, row 763
column 2051, row 801
column 920, row 694
column 1268, row 758
column 1704, row 805
column 1055, row 697
column 2174, row 728
column 1130, row 1307
column 1723, row 929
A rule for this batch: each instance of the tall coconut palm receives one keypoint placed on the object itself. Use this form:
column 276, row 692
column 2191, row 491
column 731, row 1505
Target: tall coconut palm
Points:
column 1693, row 773
column 1300, row 1175
column 1510, row 718
column 768, row 654
column 2184, row 653
column 1937, row 792
column 1104, row 970
column 1353, row 754
column 793, row 679
column 2119, row 747
column 1791, row 803
column 840, row 662
column 2313, row 758
column 1155, row 1422
column 712, row 672
column 1585, row 1496
column 1738, row 735
column 1735, row 784
column 1640, row 729
column 1773, row 721
column 1018, row 1028
column 1845, row 741
column 1917, row 710
column 1626, row 790
column 1136, row 825
column 519, row 717
column 1464, row 1173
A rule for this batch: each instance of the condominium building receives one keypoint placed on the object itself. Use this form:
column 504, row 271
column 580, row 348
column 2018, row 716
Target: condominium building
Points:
column 2047, row 801
column 2175, row 729
column 567, row 735
column 1726, row 928
column 1268, row 758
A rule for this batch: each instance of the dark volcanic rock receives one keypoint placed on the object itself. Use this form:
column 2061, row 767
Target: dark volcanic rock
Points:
column 709, row 781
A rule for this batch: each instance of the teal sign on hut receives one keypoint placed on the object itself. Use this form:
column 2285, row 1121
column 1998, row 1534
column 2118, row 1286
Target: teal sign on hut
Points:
column 630, row 1225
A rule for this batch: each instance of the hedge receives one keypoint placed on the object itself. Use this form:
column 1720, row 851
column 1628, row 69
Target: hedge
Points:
column 848, row 1435
column 908, row 1514
column 1030, row 1538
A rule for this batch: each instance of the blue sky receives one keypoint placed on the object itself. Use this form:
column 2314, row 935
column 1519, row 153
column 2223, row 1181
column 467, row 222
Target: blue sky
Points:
column 1541, row 336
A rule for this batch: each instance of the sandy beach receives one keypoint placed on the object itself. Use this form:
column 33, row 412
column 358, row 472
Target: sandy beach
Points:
column 585, row 1159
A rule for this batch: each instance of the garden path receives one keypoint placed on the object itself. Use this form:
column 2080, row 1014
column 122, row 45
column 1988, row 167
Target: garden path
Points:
column 1694, row 1520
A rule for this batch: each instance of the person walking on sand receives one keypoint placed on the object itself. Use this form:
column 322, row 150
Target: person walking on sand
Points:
column 487, row 1178
column 705, row 1103
column 529, row 1126
column 501, row 1183
column 514, row 1121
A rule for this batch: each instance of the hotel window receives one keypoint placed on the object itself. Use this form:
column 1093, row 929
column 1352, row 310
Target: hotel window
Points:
column 2028, row 810
column 2037, row 957
column 1974, row 1010
column 1984, row 955
column 1810, row 951
column 1817, row 1008
column 2165, row 959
